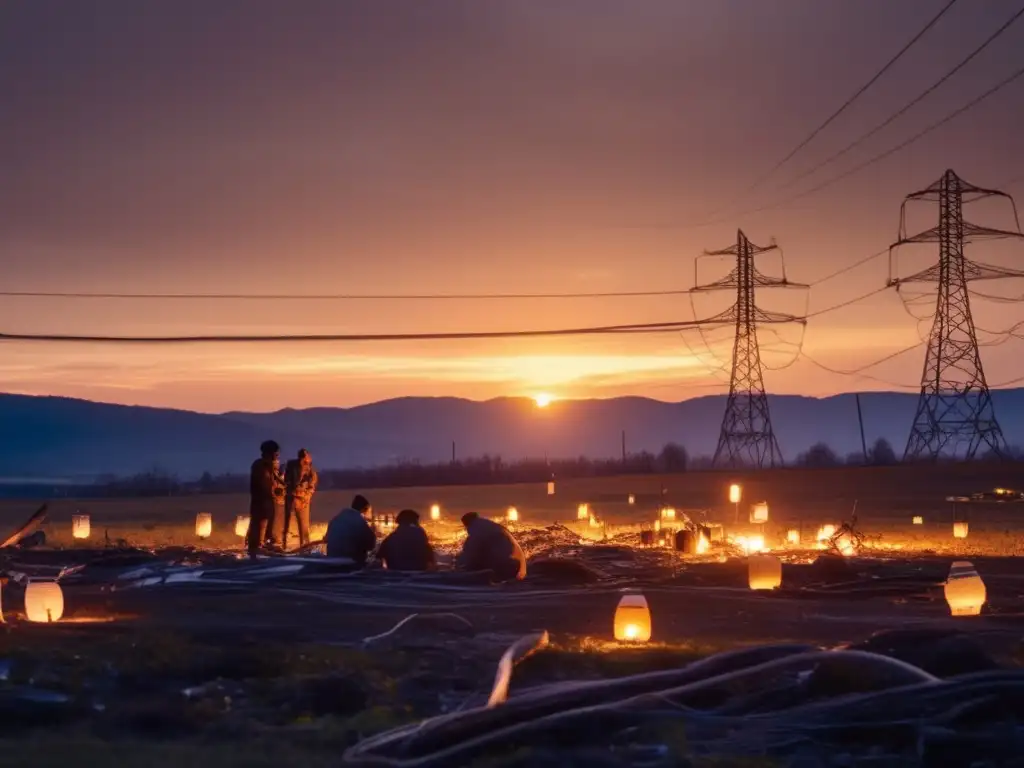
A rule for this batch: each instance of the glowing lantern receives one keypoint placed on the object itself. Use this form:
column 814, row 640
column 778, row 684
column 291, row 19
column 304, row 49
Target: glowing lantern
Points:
column 632, row 499
column 960, row 530
column 80, row 526
column 242, row 526
column 632, row 619
column 764, row 571
column 583, row 512
column 759, row 513
column 551, row 488
column 918, row 520
column 965, row 591
column 793, row 536
column 204, row 525
column 512, row 515
column 44, row 601
column 435, row 511
column 735, row 494
column 667, row 513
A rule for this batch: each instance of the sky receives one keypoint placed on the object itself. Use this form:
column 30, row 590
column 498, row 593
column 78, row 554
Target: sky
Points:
column 478, row 146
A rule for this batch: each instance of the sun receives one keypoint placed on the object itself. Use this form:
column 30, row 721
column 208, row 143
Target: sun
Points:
column 543, row 399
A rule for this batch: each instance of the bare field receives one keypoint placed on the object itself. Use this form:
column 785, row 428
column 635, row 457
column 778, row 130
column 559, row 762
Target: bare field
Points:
column 886, row 498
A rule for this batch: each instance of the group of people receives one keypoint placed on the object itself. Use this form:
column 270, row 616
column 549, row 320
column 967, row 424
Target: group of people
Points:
column 277, row 497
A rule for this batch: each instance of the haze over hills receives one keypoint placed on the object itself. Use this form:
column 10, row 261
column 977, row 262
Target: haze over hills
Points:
column 64, row 438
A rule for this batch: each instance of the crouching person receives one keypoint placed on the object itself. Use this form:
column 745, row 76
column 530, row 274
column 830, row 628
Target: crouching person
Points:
column 350, row 534
column 490, row 547
column 407, row 548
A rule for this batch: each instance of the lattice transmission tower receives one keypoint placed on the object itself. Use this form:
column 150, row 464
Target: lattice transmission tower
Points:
column 955, row 416
column 747, row 438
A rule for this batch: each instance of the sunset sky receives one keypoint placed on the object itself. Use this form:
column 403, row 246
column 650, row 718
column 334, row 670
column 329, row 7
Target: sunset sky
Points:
column 475, row 146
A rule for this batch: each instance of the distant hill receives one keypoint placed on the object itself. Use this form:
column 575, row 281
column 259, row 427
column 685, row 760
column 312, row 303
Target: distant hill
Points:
column 61, row 437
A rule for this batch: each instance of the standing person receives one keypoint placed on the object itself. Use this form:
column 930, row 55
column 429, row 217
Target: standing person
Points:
column 300, row 485
column 490, row 547
column 407, row 548
column 263, row 487
column 275, row 526
column 350, row 534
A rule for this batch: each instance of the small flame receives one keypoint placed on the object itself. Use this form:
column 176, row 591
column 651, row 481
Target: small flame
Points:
column 750, row 544
column 632, row 631
column 703, row 545
column 512, row 514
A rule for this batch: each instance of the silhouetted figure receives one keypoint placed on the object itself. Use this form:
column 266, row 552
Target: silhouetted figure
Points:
column 407, row 548
column 266, row 486
column 300, row 484
column 349, row 534
column 490, row 547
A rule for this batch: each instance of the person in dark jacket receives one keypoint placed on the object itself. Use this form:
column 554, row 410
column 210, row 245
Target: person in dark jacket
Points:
column 490, row 547
column 300, row 485
column 350, row 534
column 407, row 548
column 266, row 486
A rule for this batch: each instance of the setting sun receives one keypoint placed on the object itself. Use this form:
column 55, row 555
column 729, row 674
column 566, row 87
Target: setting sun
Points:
column 543, row 399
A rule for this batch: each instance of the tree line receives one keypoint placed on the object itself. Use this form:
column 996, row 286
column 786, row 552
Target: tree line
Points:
column 483, row 470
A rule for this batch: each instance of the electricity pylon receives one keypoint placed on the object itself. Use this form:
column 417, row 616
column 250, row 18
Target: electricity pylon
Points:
column 954, row 410
column 747, row 438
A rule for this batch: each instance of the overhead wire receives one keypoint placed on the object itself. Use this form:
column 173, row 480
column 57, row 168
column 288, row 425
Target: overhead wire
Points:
column 887, row 153
column 337, row 337
column 340, row 296
column 850, row 101
column 909, row 105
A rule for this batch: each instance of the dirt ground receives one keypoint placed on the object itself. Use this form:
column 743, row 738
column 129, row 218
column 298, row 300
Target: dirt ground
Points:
column 281, row 672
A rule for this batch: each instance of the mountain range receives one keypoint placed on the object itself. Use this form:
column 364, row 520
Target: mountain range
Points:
column 55, row 437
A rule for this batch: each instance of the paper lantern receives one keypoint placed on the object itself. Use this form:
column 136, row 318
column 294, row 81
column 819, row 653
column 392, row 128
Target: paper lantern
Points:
column 764, row 571
column 960, row 530
column 918, row 520
column 242, row 526
column 631, row 499
column 632, row 619
column 668, row 513
column 793, row 536
column 735, row 494
column 512, row 515
column 759, row 513
column 435, row 511
column 80, row 526
column 551, row 488
column 44, row 601
column 204, row 525
column 965, row 591
column 583, row 512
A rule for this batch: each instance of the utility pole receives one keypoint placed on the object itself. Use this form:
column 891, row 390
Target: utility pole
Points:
column 955, row 416
column 860, row 421
column 623, row 447
column 747, row 438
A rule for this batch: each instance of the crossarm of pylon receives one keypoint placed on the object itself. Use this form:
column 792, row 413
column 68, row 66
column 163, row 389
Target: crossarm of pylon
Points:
column 730, row 281
column 764, row 316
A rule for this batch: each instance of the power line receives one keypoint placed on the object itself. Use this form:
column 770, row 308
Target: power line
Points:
column 855, row 96
column 338, row 296
column 847, row 303
column 850, row 267
column 910, row 105
column 891, row 151
column 598, row 330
